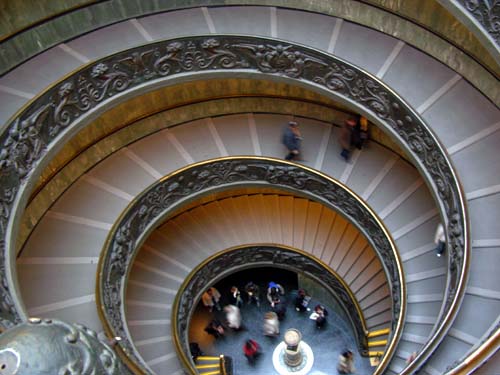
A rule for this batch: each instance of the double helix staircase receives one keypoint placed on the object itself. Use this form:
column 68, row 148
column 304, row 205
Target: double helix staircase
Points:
column 184, row 241
column 389, row 184
column 57, row 264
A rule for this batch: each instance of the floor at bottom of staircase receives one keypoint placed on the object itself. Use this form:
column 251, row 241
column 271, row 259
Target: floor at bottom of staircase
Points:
column 326, row 343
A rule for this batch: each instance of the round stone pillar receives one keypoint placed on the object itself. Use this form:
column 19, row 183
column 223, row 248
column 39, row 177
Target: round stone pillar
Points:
column 293, row 354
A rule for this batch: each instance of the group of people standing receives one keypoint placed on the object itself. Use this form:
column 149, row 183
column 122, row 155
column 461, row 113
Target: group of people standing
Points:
column 353, row 133
column 275, row 296
column 275, row 292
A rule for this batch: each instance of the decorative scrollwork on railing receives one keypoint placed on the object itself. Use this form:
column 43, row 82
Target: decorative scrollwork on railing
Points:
column 487, row 13
column 46, row 346
column 232, row 260
column 154, row 203
column 26, row 140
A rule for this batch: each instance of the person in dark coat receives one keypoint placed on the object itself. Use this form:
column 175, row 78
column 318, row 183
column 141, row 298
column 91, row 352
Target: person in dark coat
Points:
column 345, row 138
column 235, row 297
column 215, row 328
column 321, row 313
column 302, row 300
column 279, row 307
column 252, row 291
column 195, row 350
column 292, row 139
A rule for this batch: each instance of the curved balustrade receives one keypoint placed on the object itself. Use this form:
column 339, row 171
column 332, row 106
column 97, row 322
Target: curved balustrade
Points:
column 19, row 46
column 233, row 260
column 482, row 17
column 36, row 131
column 149, row 209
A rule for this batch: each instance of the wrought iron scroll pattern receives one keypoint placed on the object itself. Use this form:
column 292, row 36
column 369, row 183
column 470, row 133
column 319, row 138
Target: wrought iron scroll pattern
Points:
column 153, row 204
column 28, row 137
column 222, row 265
column 487, row 13
column 46, row 346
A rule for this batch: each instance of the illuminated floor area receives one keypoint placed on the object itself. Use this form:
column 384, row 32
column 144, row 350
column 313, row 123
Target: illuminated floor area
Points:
column 326, row 343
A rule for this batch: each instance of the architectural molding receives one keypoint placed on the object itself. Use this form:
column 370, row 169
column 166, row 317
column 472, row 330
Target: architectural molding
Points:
column 482, row 18
column 460, row 51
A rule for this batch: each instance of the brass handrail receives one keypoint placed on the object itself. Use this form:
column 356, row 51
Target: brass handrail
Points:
column 478, row 356
column 239, row 167
column 222, row 364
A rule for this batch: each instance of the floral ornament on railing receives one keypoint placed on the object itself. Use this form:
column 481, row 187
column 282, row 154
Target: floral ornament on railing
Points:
column 158, row 200
column 33, row 132
column 487, row 13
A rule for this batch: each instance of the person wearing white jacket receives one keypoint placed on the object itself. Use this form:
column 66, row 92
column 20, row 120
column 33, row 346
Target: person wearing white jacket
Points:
column 440, row 240
column 271, row 324
column 233, row 316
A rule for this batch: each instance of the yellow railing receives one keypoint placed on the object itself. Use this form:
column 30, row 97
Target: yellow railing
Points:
column 215, row 365
column 379, row 332
column 222, row 362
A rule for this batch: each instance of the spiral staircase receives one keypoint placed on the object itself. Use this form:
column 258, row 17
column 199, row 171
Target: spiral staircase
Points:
column 92, row 175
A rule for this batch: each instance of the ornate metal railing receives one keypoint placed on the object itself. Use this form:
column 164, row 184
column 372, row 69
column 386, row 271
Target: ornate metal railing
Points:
column 36, row 131
column 458, row 55
column 487, row 13
column 150, row 208
column 229, row 261
column 481, row 17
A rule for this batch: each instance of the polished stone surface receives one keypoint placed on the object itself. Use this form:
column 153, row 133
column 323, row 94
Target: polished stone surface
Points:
column 326, row 343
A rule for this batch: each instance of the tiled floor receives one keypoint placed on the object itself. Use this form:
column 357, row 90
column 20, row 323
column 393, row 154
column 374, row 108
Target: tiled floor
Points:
column 326, row 343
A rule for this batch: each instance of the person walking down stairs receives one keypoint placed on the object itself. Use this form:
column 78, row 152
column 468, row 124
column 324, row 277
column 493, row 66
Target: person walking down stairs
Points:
column 440, row 240
column 345, row 138
column 292, row 140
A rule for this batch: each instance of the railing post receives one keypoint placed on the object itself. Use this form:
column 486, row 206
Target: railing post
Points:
column 222, row 364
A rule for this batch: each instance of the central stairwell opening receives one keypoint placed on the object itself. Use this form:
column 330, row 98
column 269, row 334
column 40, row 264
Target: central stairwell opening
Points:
column 326, row 342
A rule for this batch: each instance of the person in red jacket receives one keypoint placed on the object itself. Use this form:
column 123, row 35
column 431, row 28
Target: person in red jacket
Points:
column 251, row 349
